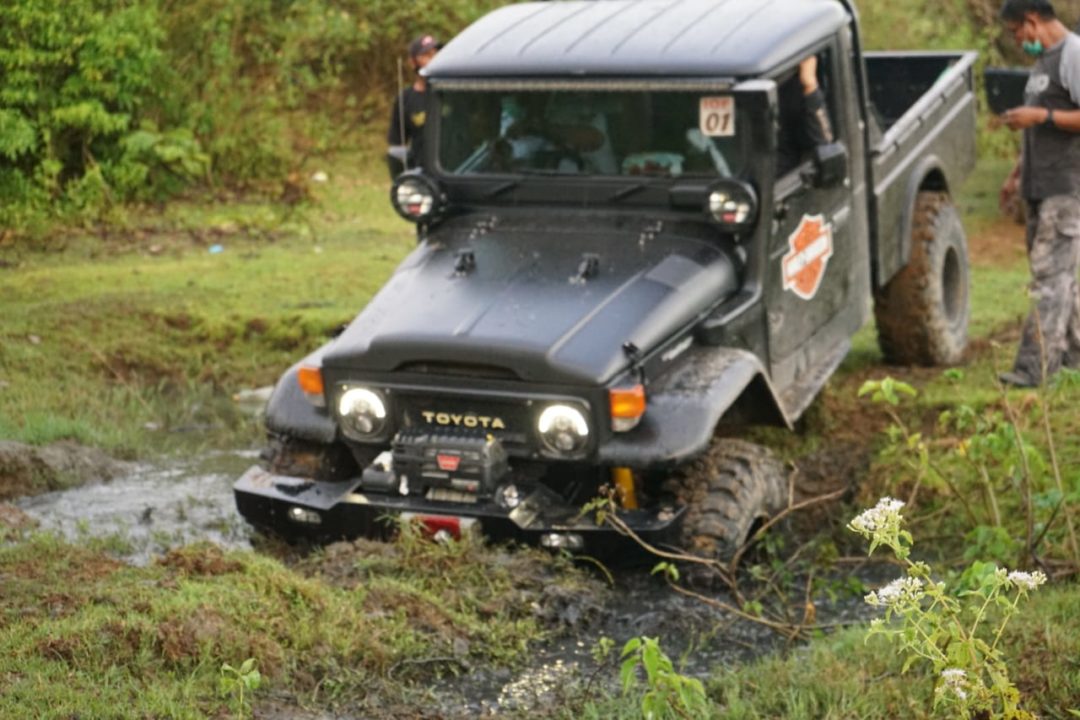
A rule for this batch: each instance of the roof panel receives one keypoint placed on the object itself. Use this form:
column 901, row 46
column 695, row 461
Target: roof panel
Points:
column 638, row 37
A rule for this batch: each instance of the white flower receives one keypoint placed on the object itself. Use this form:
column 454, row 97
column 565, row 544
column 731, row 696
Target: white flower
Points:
column 954, row 679
column 1025, row 580
column 885, row 514
column 899, row 591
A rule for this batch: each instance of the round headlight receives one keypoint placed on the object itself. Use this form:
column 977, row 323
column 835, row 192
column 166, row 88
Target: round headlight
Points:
column 362, row 413
column 563, row 429
column 416, row 198
column 733, row 205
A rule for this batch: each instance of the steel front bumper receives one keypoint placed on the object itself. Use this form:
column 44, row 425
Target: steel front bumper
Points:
column 294, row 506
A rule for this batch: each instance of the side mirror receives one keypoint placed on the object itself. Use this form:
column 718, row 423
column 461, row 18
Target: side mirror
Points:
column 830, row 164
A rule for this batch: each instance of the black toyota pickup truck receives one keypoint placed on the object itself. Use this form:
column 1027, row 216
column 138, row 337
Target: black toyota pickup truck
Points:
column 611, row 264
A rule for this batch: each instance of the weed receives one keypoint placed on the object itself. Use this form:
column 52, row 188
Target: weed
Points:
column 239, row 683
column 947, row 629
column 667, row 693
column 989, row 466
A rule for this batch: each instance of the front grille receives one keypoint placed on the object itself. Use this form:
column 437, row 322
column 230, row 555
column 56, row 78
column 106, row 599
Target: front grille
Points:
column 508, row 421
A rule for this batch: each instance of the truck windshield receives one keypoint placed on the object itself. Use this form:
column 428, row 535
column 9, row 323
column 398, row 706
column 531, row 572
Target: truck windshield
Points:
column 596, row 132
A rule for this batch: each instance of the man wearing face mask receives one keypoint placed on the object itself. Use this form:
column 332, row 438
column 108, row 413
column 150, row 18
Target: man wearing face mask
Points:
column 1049, row 177
column 406, row 134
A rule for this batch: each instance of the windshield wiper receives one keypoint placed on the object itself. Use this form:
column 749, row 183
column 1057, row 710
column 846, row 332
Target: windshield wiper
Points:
column 550, row 173
column 626, row 192
column 501, row 188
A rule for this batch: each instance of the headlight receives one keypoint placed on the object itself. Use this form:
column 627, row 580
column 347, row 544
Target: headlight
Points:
column 563, row 429
column 362, row 413
column 732, row 204
column 416, row 198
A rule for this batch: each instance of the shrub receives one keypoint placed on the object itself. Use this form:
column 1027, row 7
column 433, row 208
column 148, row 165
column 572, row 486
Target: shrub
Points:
column 103, row 101
column 73, row 76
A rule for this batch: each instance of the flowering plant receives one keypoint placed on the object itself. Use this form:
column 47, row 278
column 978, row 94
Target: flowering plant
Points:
column 950, row 632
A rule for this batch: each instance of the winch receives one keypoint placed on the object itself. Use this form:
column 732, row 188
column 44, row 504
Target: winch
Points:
column 450, row 466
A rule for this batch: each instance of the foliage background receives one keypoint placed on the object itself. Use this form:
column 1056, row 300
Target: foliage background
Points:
column 108, row 101
column 104, row 101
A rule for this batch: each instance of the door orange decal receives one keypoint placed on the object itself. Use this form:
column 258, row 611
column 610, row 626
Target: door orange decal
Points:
column 810, row 247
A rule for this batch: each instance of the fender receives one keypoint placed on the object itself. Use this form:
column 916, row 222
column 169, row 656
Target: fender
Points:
column 685, row 407
column 929, row 174
column 289, row 412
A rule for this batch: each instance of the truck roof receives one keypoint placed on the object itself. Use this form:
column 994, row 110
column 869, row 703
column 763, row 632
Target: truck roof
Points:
column 717, row 38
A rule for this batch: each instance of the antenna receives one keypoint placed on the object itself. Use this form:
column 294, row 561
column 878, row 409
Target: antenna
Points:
column 401, row 114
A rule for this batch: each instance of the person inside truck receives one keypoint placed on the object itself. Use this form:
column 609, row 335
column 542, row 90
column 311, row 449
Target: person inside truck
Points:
column 804, row 117
column 1049, row 175
column 405, row 135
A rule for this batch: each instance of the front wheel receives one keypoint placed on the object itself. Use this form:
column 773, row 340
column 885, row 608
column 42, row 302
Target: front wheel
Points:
column 728, row 492
column 922, row 313
column 311, row 460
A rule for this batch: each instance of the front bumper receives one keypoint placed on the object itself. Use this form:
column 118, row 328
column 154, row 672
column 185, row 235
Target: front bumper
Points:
column 301, row 507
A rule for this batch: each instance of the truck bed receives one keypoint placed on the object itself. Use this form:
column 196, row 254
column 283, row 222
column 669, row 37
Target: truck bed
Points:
column 922, row 135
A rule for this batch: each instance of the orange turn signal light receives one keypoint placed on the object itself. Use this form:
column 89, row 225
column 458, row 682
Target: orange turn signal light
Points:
column 627, row 407
column 310, row 379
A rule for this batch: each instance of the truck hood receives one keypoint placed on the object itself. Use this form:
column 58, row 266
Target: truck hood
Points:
column 526, row 310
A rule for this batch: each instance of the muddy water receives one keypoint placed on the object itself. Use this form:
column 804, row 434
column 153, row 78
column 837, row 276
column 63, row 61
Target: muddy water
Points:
column 152, row 508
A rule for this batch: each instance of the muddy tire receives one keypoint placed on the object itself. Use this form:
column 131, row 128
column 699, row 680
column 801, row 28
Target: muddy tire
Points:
column 300, row 458
column 922, row 313
column 728, row 492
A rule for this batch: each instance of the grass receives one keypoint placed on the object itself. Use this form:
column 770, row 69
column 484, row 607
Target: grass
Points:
column 82, row 635
column 845, row 676
column 152, row 329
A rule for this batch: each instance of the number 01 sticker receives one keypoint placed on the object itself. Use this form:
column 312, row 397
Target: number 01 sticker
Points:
column 717, row 116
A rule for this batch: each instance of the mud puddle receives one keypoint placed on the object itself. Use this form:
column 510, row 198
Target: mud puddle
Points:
column 698, row 637
column 151, row 508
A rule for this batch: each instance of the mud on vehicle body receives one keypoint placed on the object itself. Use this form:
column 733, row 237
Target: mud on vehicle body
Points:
column 610, row 266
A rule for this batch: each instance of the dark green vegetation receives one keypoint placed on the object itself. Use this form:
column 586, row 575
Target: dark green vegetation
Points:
column 105, row 102
column 121, row 329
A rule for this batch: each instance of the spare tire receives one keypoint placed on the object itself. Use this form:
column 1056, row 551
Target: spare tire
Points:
column 922, row 312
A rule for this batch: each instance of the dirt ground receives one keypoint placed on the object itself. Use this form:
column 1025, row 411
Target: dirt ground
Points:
column 997, row 243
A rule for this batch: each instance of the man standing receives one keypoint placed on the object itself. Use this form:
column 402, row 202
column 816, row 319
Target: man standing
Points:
column 1049, row 176
column 406, row 136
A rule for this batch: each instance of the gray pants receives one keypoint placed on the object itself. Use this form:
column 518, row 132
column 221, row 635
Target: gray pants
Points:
column 1052, row 329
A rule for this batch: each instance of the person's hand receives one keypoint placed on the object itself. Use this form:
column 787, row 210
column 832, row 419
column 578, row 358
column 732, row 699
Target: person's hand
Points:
column 808, row 74
column 1021, row 118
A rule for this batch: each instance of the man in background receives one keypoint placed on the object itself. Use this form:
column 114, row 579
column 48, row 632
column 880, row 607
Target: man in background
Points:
column 1049, row 178
column 406, row 134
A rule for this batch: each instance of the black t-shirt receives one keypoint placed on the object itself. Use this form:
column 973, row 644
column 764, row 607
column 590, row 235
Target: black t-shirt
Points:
column 409, row 114
column 1052, row 155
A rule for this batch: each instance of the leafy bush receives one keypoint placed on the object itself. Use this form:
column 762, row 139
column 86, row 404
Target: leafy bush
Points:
column 104, row 101
column 73, row 76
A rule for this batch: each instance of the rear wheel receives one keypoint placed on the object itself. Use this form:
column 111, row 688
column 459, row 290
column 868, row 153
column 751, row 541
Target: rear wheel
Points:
column 728, row 492
column 922, row 313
